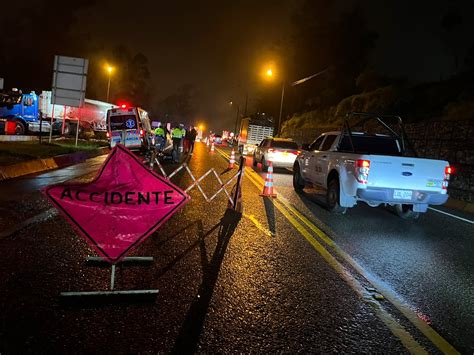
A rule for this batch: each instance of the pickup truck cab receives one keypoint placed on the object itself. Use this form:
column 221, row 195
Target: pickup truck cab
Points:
column 371, row 168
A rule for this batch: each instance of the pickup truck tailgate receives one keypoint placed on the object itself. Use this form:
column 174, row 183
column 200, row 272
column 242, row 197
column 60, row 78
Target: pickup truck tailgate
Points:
column 406, row 173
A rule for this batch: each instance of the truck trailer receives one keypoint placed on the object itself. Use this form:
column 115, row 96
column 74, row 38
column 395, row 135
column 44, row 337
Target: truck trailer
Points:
column 22, row 113
column 252, row 131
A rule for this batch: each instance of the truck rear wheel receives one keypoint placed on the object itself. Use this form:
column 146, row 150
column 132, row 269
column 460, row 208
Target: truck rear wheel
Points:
column 20, row 128
column 333, row 197
column 406, row 211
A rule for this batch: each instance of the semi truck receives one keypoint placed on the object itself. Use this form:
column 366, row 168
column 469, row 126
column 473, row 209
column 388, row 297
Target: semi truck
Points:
column 22, row 113
column 252, row 131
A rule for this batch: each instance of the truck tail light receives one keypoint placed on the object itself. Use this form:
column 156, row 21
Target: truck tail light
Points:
column 296, row 152
column 141, row 133
column 362, row 168
column 447, row 175
column 108, row 134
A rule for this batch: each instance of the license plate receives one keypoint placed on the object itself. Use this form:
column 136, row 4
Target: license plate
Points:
column 402, row 194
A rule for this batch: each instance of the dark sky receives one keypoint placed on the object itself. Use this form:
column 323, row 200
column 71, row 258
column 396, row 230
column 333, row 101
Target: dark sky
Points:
column 219, row 46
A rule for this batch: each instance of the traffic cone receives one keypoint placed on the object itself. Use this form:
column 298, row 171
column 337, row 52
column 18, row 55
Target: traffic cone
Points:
column 212, row 147
column 268, row 187
column 232, row 160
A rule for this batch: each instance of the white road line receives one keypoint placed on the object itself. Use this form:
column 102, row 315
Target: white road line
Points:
column 452, row 215
column 43, row 216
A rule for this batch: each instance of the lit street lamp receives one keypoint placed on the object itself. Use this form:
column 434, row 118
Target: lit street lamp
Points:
column 109, row 71
column 269, row 74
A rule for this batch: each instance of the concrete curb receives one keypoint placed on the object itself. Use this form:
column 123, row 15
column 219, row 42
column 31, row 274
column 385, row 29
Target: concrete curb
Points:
column 39, row 165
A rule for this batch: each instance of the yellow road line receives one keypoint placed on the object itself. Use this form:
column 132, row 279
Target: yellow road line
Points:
column 259, row 225
column 423, row 327
column 405, row 338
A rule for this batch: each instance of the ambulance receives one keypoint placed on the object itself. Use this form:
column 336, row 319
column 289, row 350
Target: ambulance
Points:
column 129, row 126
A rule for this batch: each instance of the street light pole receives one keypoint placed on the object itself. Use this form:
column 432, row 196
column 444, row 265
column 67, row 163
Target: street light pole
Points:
column 236, row 120
column 108, row 89
column 109, row 70
column 281, row 108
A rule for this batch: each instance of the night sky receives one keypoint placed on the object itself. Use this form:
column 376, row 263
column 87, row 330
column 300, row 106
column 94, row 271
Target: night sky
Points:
column 219, row 46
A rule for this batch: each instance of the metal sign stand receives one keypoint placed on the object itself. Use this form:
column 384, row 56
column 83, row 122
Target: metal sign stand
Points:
column 111, row 293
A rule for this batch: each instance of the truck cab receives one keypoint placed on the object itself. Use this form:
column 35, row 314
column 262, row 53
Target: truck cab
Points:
column 22, row 110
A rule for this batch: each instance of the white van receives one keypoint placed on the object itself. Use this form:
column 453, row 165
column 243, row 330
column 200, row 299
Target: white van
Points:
column 128, row 126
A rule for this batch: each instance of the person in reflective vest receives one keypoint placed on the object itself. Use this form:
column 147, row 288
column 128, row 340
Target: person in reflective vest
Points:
column 177, row 136
column 159, row 131
column 160, row 137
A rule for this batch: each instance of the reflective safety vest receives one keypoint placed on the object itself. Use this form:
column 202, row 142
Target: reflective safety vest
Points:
column 159, row 132
column 183, row 131
column 177, row 133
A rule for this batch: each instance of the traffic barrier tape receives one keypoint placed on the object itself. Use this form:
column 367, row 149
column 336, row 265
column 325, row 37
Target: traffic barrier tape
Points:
column 197, row 181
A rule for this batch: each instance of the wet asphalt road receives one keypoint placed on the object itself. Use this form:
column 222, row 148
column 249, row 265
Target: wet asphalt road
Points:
column 427, row 263
column 227, row 283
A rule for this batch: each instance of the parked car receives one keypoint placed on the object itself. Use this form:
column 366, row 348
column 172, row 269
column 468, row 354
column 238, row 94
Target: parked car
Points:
column 217, row 139
column 281, row 152
column 372, row 167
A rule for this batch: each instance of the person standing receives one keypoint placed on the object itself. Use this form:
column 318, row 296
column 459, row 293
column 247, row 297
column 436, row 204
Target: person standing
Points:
column 192, row 134
column 177, row 136
column 160, row 136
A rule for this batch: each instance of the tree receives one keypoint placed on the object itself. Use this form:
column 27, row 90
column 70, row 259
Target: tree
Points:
column 450, row 23
column 180, row 107
column 325, row 37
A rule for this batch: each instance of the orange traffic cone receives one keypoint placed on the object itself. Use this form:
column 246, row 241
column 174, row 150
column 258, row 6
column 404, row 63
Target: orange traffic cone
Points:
column 212, row 147
column 232, row 160
column 268, row 187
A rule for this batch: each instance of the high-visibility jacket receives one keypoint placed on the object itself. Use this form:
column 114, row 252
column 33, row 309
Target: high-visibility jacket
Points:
column 183, row 131
column 177, row 133
column 159, row 132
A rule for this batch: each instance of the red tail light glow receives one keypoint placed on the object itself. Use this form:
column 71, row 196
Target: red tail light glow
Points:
column 108, row 134
column 363, row 163
column 141, row 133
column 362, row 168
column 447, row 175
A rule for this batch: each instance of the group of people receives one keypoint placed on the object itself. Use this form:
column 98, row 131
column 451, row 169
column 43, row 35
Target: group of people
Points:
column 180, row 136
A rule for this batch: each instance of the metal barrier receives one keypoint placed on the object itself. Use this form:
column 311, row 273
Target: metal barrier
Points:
column 196, row 182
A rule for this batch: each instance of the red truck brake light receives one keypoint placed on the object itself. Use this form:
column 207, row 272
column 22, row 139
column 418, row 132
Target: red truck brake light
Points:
column 447, row 175
column 108, row 134
column 141, row 133
column 362, row 168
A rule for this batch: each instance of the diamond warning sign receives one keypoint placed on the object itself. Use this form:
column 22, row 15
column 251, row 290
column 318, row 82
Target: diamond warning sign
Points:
column 121, row 207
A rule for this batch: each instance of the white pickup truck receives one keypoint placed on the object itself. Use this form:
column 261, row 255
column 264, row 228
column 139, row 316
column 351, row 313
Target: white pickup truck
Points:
column 356, row 166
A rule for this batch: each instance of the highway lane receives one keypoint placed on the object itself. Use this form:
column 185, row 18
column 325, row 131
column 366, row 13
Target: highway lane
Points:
column 226, row 284
column 428, row 264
